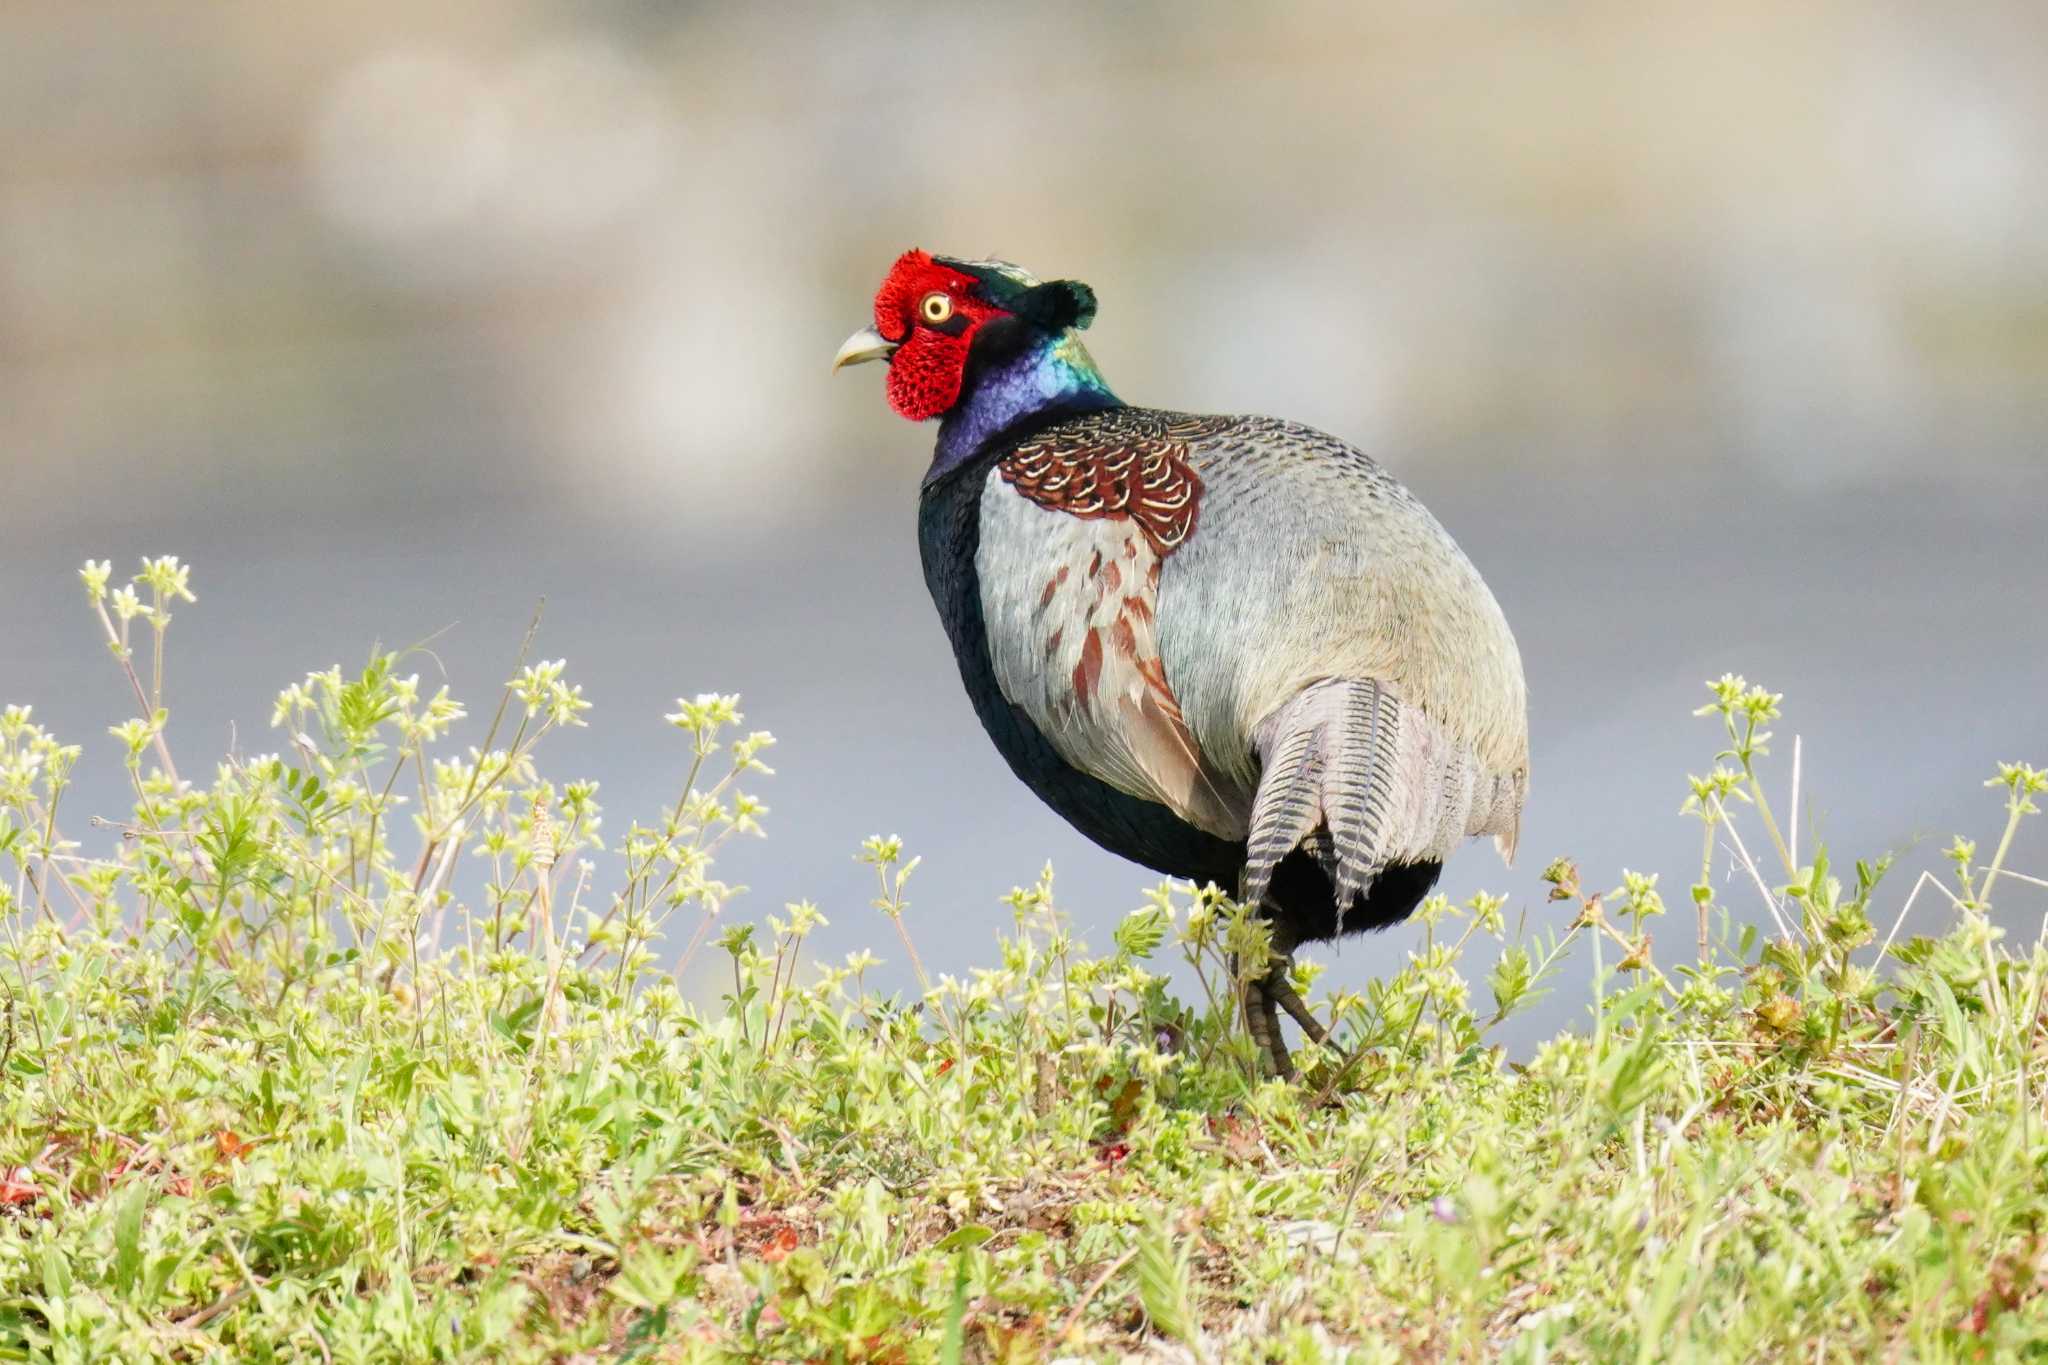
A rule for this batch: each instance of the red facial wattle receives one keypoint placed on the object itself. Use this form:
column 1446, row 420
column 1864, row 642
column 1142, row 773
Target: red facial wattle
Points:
column 930, row 360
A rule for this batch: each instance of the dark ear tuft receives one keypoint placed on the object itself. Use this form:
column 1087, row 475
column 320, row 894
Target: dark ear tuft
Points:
column 1061, row 304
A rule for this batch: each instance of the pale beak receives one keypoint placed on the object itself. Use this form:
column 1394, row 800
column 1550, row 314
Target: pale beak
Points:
column 865, row 345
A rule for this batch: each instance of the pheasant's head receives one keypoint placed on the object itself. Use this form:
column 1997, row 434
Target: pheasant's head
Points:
column 936, row 317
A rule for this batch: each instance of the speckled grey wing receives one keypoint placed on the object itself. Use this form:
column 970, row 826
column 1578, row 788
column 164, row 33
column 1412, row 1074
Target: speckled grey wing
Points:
column 1068, row 606
column 1311, row 564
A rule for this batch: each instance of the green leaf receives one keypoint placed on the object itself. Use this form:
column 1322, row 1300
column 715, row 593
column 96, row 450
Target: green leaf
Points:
column 1141, row 932
column 56, row 1273
column 1510, row 978
column 951, row 1344
column 963, row 1238
column 1163, row 1283
column 128, row 1238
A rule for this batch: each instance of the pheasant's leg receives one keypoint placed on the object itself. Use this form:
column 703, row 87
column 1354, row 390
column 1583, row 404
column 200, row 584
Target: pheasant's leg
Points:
column 1262, row 1022
column 1281, row 991
column 1266, row 1033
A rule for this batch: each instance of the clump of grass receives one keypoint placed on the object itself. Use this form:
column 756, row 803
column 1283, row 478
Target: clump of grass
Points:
column 370, row 1048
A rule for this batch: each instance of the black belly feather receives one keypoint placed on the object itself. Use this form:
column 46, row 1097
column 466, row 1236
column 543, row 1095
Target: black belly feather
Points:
column 949, row 536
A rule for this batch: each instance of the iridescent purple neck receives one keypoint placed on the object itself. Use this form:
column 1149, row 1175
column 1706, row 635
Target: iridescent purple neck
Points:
column 1057, row 377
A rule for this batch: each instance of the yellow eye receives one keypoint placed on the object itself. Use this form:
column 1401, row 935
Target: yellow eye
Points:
column 936, row 307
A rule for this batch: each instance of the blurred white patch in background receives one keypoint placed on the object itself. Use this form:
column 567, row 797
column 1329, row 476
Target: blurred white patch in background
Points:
column 1304, row 336
column 422, row 152
column 590, row 139
column 1821, row 380
column 407, row 145
column 697, row 368
column 1948, row 130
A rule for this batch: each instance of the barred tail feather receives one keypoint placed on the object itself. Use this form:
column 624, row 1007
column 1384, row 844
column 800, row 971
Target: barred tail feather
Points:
column 1359, row 790
column 1287, row 808
column 1328, row 783
column 1360, row 780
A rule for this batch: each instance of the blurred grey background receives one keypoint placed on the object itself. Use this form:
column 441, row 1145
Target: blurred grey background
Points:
column 1718, row 334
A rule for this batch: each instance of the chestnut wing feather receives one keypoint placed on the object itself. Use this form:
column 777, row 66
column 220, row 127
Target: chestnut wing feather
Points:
column 1128, row 464
column 1069, row 572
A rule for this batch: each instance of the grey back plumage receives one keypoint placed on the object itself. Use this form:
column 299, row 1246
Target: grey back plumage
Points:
column 1312, row 562
column 1317, row 664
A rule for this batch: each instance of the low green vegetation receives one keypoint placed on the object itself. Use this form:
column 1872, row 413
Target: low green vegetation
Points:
column 369, row 1049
